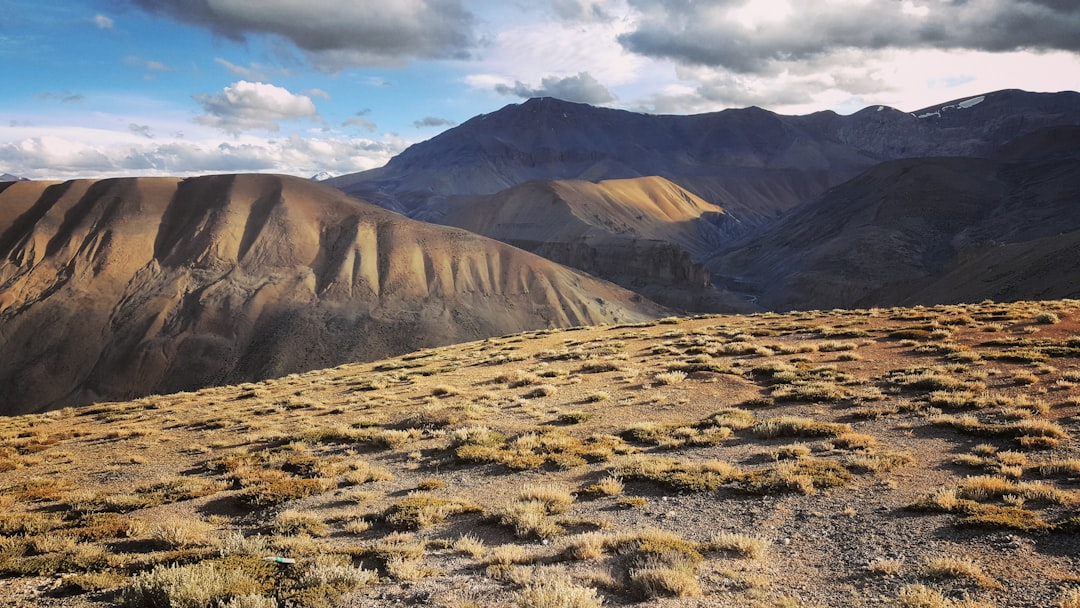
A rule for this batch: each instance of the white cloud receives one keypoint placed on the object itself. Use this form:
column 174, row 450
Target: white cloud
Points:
column 66, row 152
column 853, row 79
column 585, row 10
column 245, row 106
column 338, row 34
column 581, row 88
column 103, row 22
column 254, row 71
column 768, row 36
column 568, row 57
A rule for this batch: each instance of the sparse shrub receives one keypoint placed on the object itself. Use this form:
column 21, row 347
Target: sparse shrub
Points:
column 182, row 533
column 592, row 545
column 291, row 523
column 608, row 486
column 804, row 476
column 278, row 492
column 658, row 577
column 529, row 519
column 544, row 390
column 336, row 574
column 921, row 596
column 556, row 499
column 575, row 417
column 680, row 475
column 430, row 484
column 506, row 555
column 556, row 592
column 1047, row 318
column 959, row 568
column 192, row 586
column 668, row 378
column 746, row 545
column 470, row 545
column 793, row 451
column 420, row 511
column 791, row 426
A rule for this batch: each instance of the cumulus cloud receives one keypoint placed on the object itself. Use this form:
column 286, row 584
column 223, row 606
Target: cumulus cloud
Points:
column 766, row 36
column 337, row 34
column 103, row 22
column 433, row 121
column 582, row 88
column 245, row 106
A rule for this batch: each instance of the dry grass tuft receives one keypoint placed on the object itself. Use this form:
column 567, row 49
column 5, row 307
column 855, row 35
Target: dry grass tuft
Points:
column 556, row 592
column 746, row 545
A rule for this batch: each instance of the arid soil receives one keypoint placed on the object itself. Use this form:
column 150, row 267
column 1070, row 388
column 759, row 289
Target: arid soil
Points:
column 886, row 457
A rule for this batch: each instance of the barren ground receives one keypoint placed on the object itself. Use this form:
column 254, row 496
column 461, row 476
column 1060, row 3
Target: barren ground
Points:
column 890, row 457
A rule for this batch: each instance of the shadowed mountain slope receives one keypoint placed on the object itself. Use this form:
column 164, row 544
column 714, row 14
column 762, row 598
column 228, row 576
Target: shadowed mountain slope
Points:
column 646, row 234
column 124, row 287
column 927, row 230
column 753, row 163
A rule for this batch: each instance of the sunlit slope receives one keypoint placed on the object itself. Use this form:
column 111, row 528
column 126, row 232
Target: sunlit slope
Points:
column 123, row 287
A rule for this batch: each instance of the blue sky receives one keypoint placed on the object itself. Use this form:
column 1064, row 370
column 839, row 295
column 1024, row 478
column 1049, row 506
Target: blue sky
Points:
column 99, row 88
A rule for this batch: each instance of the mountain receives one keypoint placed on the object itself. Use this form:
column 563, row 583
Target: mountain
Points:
column 321, row 176
column 926, row 230
column 752, row 162
column 646, row 234
column 7, row 177
column 123, row 287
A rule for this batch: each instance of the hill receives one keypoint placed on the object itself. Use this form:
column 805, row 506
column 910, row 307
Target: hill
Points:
column 926, row 230
column 118, row 288
column 646, row 234
column 885, row 457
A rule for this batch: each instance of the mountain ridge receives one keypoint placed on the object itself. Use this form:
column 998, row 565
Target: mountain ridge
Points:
column 750, row 161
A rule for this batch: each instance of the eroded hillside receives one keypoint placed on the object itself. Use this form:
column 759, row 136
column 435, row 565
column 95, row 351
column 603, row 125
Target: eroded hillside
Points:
column 118, row 288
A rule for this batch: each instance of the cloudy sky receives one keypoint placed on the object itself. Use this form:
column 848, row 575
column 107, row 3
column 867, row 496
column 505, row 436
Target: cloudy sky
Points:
column 96, row 88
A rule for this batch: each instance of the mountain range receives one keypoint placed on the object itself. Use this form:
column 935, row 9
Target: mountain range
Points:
column 554, row 214
column 750, row 173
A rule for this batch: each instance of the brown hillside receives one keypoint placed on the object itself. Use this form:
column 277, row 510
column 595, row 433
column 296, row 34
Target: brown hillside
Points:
column 926, row 231
column 646, row 234
column 894, row 458
column 125, row 287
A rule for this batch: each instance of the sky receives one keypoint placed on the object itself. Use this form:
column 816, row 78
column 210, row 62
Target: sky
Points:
column 107, row 88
